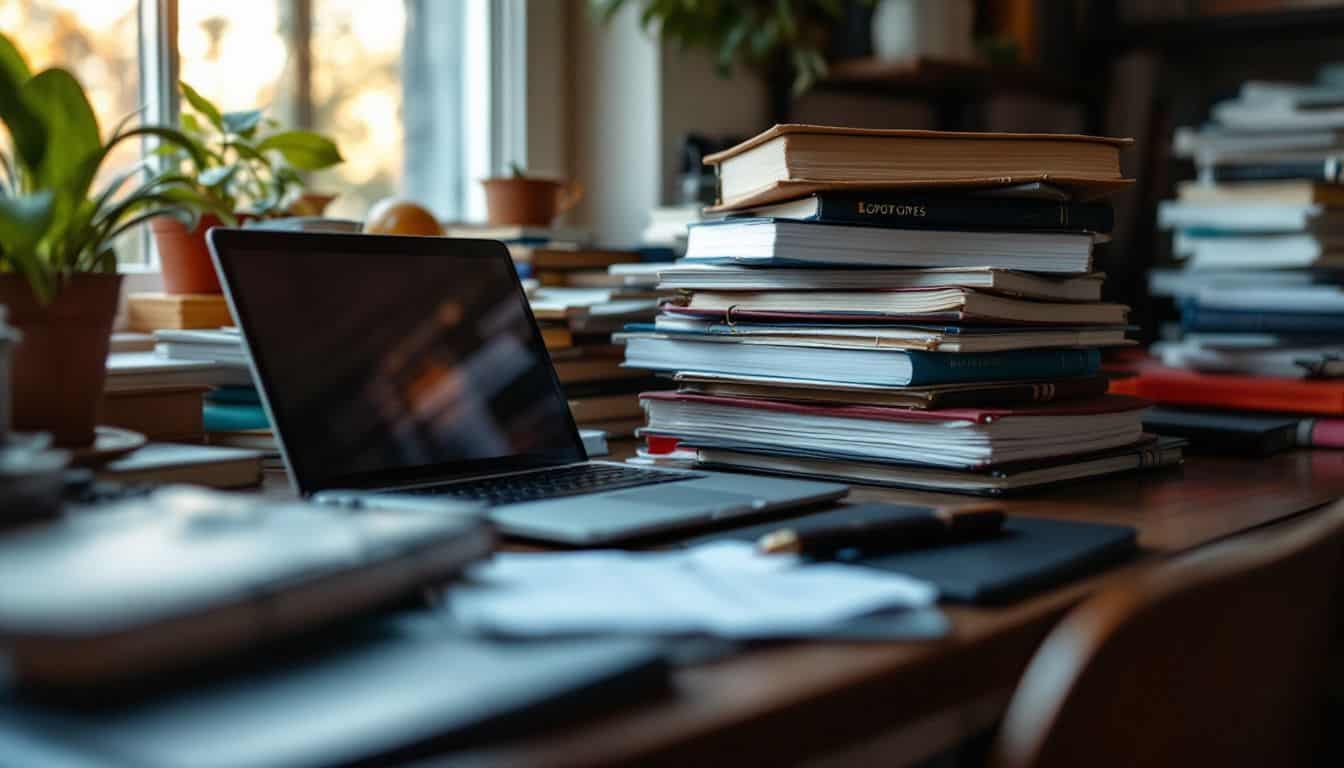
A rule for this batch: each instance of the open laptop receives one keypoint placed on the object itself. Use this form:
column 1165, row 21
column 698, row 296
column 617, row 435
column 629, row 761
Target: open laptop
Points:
column 413, row 365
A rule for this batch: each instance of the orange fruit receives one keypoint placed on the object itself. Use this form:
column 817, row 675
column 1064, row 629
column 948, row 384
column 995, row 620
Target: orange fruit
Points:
column 394, row 216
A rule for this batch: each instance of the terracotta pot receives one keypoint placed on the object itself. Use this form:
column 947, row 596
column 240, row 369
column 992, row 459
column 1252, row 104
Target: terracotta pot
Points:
column 61, row 361
column 523, row 202
column 183, row 255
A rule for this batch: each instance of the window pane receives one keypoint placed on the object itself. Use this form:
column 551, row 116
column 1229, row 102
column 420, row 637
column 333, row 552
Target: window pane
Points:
column 363, row 58
column 238, row 54
column 356, row 92
column 97, row 41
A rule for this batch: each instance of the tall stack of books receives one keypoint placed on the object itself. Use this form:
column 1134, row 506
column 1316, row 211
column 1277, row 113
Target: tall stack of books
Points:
column 232, row 414
column 1260, row 235
column 907, row 308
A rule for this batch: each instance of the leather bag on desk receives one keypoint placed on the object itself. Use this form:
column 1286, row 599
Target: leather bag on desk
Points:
column 1219, row 658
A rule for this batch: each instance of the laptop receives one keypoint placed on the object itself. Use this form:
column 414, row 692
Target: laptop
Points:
column 412, row 366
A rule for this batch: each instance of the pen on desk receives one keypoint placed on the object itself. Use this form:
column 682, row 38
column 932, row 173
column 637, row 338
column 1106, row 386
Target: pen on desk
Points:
column 943, row 525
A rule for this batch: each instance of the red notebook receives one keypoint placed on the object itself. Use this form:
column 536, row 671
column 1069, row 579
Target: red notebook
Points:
column 1091, row 407
column 1177, row 386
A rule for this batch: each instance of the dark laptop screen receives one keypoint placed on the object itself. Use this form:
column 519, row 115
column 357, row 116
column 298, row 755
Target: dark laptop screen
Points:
column 386, row 360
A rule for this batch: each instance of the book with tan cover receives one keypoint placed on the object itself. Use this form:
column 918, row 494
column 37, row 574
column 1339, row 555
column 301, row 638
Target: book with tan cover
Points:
column 793, row 160
column 157, row 311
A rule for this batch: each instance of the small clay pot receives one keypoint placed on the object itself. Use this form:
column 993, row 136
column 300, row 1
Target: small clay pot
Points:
column 525, row 202
column 61, row 360
column 184, row 256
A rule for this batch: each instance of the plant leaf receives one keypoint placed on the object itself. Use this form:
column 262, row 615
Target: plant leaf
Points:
column 212, row 177
column 190, row 124
column 12, row 62
column 72, row 130
column 24, row 220
column 304, row 150
column 203, row 105
column 24, row 124
column 242, row 123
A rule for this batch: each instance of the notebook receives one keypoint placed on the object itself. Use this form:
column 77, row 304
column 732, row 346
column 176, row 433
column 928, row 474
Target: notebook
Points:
column 962, row 303
column 1030, row 555
column 727, row 277
column 954, row 437
column 1174, row 386
column 996, row 480
column 783, row 242
column 886, row 367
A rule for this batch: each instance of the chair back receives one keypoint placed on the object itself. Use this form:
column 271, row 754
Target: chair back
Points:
column 1218, row 658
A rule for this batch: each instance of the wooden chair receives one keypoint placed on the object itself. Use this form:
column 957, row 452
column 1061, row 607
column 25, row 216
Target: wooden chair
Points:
column 1219, row 658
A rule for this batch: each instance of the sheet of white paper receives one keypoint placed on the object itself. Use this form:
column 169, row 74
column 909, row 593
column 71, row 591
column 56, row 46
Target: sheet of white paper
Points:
column 724, row 588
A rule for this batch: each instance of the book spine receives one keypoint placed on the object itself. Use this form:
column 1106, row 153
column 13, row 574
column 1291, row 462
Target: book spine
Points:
column 1327, row 170
column 942, row 368
column 1075, row 389
column 937, row 213
column 1199, row 319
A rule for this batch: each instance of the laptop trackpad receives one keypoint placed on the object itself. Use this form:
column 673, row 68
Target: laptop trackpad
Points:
column 680, row 496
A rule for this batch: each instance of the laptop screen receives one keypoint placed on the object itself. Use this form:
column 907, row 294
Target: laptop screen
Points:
column 387, row 360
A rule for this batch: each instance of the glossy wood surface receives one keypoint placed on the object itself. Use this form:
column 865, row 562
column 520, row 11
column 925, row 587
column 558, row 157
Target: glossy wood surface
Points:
column 779, row 703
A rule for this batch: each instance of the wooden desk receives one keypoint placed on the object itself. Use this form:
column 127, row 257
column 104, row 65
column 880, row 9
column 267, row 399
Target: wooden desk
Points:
column 783, row 703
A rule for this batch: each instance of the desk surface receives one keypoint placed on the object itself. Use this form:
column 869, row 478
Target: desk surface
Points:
column 787, row 701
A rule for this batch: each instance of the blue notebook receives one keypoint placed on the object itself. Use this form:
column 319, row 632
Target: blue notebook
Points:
column 1030, row 554
column 1195, row 318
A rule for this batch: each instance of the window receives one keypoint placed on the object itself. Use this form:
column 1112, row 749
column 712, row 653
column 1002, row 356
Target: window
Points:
column 405, row 88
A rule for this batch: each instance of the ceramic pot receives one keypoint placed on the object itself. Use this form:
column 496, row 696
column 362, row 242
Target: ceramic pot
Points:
column 524, row 202
column 60, row 361
column 910, row 29
column 184, row 256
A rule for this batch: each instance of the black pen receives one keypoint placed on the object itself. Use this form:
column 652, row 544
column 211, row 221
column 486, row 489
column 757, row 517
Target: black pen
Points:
column 943, row 525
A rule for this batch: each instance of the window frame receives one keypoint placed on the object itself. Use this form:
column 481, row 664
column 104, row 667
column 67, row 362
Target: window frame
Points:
column 160, row 67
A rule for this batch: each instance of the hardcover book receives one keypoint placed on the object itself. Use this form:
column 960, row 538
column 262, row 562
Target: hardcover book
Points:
column 932, row 211
column 792, row 160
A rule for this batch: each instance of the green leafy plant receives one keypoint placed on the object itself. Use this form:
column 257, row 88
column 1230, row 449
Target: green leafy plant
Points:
column 53, row 223
column 251, row 165
column 762, row 34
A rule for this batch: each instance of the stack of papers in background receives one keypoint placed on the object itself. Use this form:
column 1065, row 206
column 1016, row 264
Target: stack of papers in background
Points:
column 933, row 335
column 1260, row 234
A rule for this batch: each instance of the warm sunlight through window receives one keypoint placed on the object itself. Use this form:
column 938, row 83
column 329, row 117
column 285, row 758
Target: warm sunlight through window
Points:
column 97, row 41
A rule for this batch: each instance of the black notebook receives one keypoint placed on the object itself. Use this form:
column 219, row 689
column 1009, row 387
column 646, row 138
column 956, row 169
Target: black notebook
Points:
column 1029, row 555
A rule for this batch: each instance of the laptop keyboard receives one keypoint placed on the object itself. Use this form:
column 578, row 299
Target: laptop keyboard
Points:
column 554, row 483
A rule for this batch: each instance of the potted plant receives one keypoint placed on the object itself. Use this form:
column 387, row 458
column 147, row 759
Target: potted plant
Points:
column 519, row 200
column 251, row 170
column 766, row 35
column 58, row 275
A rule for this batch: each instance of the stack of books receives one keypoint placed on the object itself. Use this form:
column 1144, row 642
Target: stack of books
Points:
column 161, row 398
column 905, row 308
column 577, row 326
column 232, row 414
column 1260, row 238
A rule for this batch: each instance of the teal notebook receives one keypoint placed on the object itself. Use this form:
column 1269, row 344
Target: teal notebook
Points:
column 231, row 417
